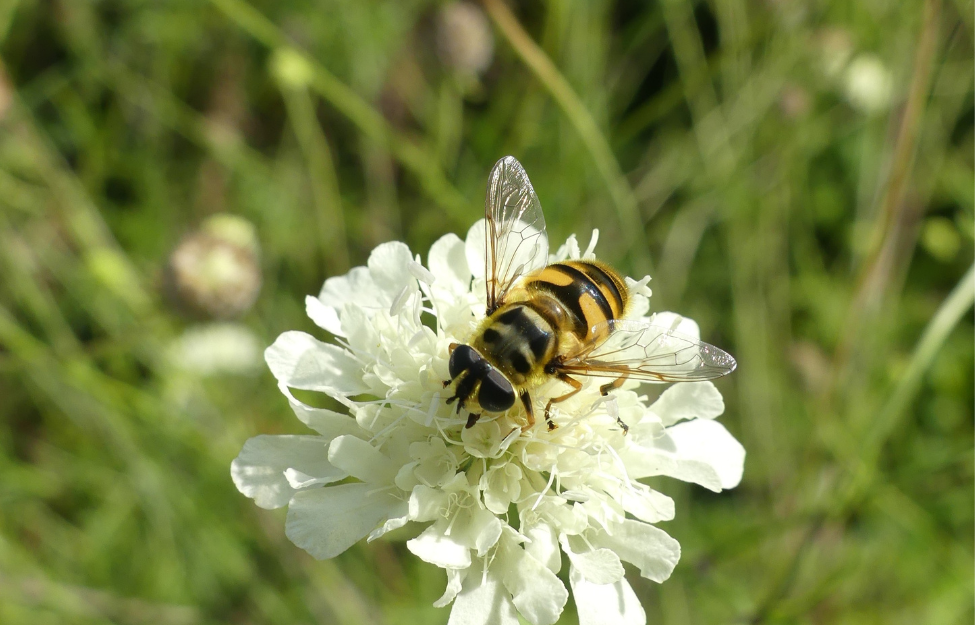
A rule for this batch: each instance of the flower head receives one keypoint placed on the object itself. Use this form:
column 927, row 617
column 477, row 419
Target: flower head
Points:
column 464, row 38
column 868, row 84
column 496, row 506
column 214, row 272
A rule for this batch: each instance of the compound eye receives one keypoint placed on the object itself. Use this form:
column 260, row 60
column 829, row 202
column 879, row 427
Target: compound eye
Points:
column 496, row 394
column 462, row 359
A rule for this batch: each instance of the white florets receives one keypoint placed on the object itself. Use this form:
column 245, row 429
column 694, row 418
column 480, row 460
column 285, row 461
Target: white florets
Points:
column 497, row 506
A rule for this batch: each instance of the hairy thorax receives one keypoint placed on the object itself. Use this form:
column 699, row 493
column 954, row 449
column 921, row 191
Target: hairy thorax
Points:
column 518, row 341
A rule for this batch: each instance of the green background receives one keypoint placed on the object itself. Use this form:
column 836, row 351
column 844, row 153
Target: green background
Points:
column 821, row 236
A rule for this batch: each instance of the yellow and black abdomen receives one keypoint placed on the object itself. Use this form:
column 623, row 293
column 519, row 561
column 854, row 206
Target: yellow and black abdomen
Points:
column 588, row 293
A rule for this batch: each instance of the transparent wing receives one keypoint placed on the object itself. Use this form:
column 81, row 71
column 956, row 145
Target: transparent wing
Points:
column 515, row 239
column 644, row 351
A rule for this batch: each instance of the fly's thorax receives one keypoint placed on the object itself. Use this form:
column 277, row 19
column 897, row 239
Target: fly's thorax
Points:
column 519, row 341
column 587, row 293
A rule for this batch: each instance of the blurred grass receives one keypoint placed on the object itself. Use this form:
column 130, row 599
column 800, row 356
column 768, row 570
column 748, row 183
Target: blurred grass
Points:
column 826, row 242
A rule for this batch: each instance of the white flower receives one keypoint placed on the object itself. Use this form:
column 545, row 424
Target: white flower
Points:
column 497, row 506
column 869, row 85
column 217, row 348
column 214, row 272
column 465, row 41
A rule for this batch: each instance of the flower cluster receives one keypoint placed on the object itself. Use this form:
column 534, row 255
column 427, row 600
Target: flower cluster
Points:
column 497, row 506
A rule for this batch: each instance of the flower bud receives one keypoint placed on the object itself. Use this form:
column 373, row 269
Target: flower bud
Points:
column 214, row 272
column 868, row 84
column 464, row 38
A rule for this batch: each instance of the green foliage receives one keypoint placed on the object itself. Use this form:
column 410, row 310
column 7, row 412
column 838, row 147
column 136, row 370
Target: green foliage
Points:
column 812, row 211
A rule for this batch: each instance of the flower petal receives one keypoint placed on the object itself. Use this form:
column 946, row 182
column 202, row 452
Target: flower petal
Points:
column 361, row 460
column 328, row 423
column 605, row 604
column 426, row 503
column 688, row 400
column 361, row 333
column 544, row 546
column 301, row 361
column 698, row 451
column 448, row 262
column 568, row 250
column 639, row 306
column 647, row 504
column 325, row 317
column 259, row 470
column 661, row 459
column 677, row 323
column 599, row 566
column 484, row 441
column 482, row 601
column 474, row 249
column 389, row 266
column 641, row 544
column 535, row 590
column 711, row 443
column 481, row 533
column 436, row 548
column 639, row 297
column 298, row 480
column 455, row 582
column 569, row 517
column 327, row 521
column 400, row 519
column 590, row 251
column 356, row 288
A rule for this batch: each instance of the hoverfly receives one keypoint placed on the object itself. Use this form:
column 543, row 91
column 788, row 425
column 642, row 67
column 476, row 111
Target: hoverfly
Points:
column 558, row 320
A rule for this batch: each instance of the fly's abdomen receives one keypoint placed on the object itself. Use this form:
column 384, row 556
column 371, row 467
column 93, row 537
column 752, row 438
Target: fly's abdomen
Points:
column 588, row 292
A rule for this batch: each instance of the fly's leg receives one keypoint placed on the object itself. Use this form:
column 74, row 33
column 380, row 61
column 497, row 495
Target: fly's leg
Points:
column 576, row 387
column 526, row 400
column 615, row 384
column 464, row 390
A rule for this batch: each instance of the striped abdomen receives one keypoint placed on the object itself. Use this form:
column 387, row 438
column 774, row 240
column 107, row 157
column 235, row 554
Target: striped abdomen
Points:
column 571, row 297
column 586, row 294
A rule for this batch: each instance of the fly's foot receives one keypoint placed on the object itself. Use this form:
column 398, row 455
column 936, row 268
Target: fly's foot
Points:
column 548, row 418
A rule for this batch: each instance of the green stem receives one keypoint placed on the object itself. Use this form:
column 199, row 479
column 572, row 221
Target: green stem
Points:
column 7, row 11
column 935, row 334
column 420, row 160
column 710, row 126
column 534, row 57
column 328, row 215
column 894, row 213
